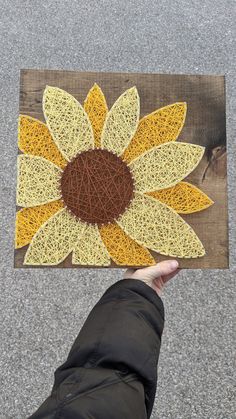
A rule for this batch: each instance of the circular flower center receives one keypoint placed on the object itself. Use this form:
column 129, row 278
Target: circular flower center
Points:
column 97, row 186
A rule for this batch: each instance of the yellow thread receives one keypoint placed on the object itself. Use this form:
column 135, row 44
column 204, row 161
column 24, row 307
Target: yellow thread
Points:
column 34, row 138
column 54, row 240
column 161, row 126
column 156, row 226
column 28, row 221
column 121, row 122
column 184, row 198
column 38, row 181
column 67, row 121
column 96, row 107
column 165, row 165
column 122, row 249
column 90, row 250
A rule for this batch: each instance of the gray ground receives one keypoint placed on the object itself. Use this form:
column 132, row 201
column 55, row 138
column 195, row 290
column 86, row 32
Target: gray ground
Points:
column 42, row 311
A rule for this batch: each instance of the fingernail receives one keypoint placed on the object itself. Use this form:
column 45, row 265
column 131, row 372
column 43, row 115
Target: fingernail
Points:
column 174, row 264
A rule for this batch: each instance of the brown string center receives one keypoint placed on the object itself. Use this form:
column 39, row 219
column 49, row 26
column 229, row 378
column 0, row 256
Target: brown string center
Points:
column 97, row 186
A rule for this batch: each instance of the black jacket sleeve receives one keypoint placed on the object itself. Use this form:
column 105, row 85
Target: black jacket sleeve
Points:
column 111, row 370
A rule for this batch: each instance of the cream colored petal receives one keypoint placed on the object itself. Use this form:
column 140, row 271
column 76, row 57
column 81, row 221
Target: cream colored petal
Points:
column 90, row 250
column 54, row 240
column 158, row 227
column 165, row 165
column 67, row 121
column 121, row 122
column 38, row 181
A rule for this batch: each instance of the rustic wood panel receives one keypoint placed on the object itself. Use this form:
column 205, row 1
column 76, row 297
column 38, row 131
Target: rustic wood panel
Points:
column 205, row 125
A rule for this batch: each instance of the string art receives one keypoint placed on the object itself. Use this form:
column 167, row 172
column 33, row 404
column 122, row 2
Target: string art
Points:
column 103, row 180
column 121, row 122
column 60, row 228
column 156, row 226
column 91, row 249
column 124, row 250
column 184, row 198
column 28, row 221
column 157, row 128
column 38, row 181
column 103, row 184
column 35, row 139
column 165, row 165
column 96, row 107
column 67, row 121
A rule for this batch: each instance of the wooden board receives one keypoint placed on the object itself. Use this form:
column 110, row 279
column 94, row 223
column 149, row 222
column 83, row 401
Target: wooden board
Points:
column 205, row 125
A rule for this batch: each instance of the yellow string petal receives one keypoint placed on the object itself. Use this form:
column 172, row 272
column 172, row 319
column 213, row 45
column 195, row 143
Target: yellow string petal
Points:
column 54, row 240
column 156, row 226
column 161, row 126
column 165, row 165
column 90, row 250
column 34, row 138
column 37, row 181
column 121, row 122
column 184, row 198
column 28, row 221
column 122, row 249
column 67, row 121
column 96, row 108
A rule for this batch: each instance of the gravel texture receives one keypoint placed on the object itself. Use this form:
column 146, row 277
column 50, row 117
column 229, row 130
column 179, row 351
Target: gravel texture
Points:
column 42, row 311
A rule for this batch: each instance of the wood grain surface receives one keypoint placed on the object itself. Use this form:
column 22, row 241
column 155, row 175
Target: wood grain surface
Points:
column 205, row 125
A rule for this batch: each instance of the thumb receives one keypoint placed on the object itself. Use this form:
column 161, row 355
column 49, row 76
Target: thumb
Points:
column 160, row 269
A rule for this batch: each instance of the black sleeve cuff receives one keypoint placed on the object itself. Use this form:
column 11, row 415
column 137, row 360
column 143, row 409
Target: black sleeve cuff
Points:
column 140, row 287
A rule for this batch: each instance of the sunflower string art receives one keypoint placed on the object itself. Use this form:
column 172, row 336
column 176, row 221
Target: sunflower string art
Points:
column 105, row 184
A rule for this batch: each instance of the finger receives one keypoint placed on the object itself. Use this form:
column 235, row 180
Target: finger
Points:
column 129, row 272
column 159, row 283
column 167, row 278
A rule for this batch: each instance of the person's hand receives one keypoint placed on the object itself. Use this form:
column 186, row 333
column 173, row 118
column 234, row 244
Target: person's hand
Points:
column 155, row 276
